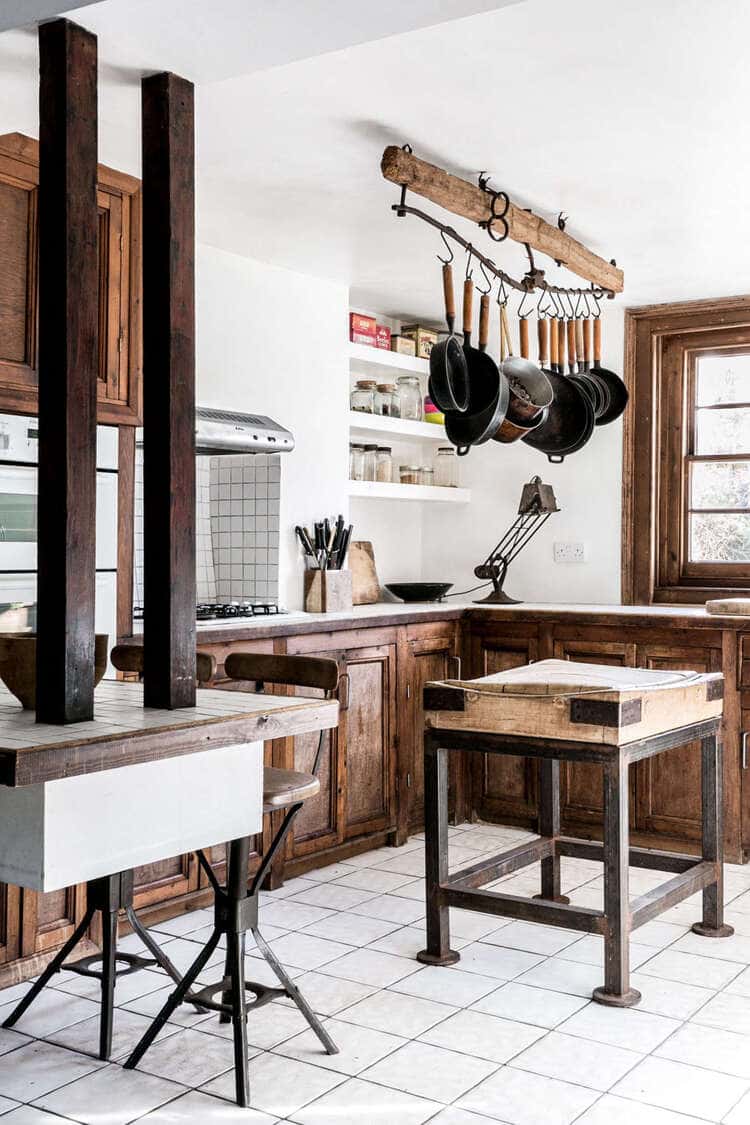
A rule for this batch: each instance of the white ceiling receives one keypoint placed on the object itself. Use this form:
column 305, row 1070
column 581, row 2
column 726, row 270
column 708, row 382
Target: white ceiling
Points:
column 626, row 114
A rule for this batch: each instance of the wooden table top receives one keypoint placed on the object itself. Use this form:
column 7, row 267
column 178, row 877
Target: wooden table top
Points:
column 123, row 733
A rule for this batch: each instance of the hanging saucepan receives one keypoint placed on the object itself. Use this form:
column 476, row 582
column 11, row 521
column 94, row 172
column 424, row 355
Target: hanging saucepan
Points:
column 530, row 389
column 618, row 392
column 584, row 364
column 488, row 387
column 569, row 419
column 523, row 415
column 449, row 380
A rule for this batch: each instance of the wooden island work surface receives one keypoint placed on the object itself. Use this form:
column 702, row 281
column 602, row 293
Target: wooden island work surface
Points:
column 371, row 776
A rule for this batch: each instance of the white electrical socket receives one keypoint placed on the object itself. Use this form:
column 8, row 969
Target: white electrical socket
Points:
column 569, row 552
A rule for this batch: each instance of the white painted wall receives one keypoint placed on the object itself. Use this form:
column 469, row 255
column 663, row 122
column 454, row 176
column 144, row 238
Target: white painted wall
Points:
column 274, row 342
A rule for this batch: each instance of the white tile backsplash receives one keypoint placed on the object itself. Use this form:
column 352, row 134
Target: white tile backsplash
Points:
column 237, row 528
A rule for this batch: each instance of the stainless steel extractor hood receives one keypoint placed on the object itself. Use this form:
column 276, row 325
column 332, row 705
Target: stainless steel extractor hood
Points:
column 228, row 432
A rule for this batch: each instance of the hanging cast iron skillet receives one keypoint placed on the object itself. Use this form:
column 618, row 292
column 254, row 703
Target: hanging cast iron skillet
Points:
column 594, row 390
column 618, row 392
column 569, row 419
column 488, row 387
column 583, row 342
column 449, row 378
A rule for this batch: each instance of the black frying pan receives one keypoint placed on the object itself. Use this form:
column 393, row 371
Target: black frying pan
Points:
column 488, row 388
column 618, row 392
column 449, row 380
column 569, row 419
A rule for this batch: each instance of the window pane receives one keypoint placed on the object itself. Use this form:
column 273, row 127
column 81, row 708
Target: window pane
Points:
column 720, row 538
column 722, row 378
column 723, row 484
column 722, row 431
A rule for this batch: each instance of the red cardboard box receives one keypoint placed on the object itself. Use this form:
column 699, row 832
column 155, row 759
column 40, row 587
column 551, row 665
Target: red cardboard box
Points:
column 383, row 337
column 362, row 329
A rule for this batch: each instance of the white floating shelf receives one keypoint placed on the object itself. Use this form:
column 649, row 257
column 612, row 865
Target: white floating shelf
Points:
column 376, row 490
column 362, row 425
column 378, row 360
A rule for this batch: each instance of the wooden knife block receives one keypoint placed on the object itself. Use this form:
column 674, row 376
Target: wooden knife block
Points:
column 328, row 591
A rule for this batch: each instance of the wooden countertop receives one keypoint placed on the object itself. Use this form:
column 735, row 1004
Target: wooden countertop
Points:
column 123, row 733
column 398, row 613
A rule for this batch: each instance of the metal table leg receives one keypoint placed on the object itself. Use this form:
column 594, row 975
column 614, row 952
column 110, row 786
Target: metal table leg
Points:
column 438, row 951
column 712, row 923
column 549, row 825
column 616, row 991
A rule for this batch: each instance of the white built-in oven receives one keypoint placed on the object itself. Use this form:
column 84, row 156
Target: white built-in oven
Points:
column 18, row 520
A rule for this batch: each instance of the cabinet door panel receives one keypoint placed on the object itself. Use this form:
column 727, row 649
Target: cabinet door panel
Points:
column 18, row 209
column 318, row 819
column 10, row 922
column 48, row 920
column 165, row 879
column 504, row 785
column 581, row 782
column 369, row 756
column 669, row 785
column 425, row 666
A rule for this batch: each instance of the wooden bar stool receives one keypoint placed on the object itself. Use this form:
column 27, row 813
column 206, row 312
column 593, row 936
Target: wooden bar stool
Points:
column 236, row 904
column 107, row 896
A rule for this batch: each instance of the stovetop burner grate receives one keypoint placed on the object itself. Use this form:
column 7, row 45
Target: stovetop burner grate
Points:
column 208, row 611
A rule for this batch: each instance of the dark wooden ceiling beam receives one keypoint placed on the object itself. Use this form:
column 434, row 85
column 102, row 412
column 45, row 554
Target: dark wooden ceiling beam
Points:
column 168, row 391
column 68, row 349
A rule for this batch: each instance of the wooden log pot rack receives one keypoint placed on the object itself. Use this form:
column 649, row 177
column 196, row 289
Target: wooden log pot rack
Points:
column 494, row 212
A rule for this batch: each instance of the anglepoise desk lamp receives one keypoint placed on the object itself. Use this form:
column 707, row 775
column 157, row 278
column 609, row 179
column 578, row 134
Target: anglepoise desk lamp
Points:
column 536, row 506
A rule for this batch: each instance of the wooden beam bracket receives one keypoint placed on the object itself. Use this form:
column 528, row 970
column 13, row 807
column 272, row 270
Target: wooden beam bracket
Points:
column 480, row 205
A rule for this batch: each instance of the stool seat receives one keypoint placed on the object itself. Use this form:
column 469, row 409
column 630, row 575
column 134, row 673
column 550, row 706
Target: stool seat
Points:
column 287, row 787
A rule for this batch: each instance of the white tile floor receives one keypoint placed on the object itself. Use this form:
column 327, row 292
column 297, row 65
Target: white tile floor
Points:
column 507, row 1035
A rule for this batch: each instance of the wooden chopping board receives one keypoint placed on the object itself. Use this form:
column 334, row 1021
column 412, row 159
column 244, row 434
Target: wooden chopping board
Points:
column 365, row 584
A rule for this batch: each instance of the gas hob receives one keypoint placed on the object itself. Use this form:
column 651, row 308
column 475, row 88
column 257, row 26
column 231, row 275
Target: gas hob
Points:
column 224, row 611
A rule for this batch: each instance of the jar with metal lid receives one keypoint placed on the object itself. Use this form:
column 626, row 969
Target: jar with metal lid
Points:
column 356, row 462
column 363, row 396
column 369, row 469
column 409, row 474
column 384, row 464
column 386, row 401
column 446, row 467
column 410, row 397
column 427, row 475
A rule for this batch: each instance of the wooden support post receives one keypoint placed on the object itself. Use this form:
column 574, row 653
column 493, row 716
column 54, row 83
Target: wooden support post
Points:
column 469, row 202
column 68, row 353
column 168, row 391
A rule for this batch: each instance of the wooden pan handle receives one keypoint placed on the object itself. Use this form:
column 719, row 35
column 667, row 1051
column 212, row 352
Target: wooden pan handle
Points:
column 542, row 335
column 587, row 342
column 571, row 343
column 450, row 300
column 484, row 320
column 554, row 351
column 523, row 336
column 579, row 342
column 597, row 341
column 561, row 345
column 506, row 328
column 503, row 349
column 468, row 306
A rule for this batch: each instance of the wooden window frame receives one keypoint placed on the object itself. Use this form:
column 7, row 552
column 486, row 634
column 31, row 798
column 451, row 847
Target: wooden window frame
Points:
column 661, row 343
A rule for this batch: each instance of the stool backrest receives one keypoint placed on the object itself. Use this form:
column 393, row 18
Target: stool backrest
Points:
column 129, row 658
column 293, row 671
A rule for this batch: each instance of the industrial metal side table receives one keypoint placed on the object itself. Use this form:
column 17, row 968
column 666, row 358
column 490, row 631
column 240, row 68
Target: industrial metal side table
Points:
column 561, row 711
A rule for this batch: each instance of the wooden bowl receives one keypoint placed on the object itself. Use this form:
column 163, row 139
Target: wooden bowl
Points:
column 18, row 664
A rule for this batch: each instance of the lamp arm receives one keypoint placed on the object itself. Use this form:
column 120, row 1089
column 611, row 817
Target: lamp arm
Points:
column 531, row 531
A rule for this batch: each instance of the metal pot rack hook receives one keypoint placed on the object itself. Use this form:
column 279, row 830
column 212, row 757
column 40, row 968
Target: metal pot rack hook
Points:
column 469, row 253
column 579, row 300
column 448, row 247
column 487, row 279
column 597, row 304
column 523, row 314
column 502, row 293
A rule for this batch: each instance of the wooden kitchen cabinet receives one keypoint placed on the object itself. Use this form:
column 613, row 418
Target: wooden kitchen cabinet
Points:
column 504, row 788
column 118, row 197
column 425, row 652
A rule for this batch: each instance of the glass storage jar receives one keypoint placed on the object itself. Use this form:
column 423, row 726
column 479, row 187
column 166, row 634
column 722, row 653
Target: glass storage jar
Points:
column 356, row 462
column 369, row 469
column 426, row 475
column 446, row 467
column 384, row 465
column 363, row 396
column 410, row 397
column 386, row 400
column 409, row 474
